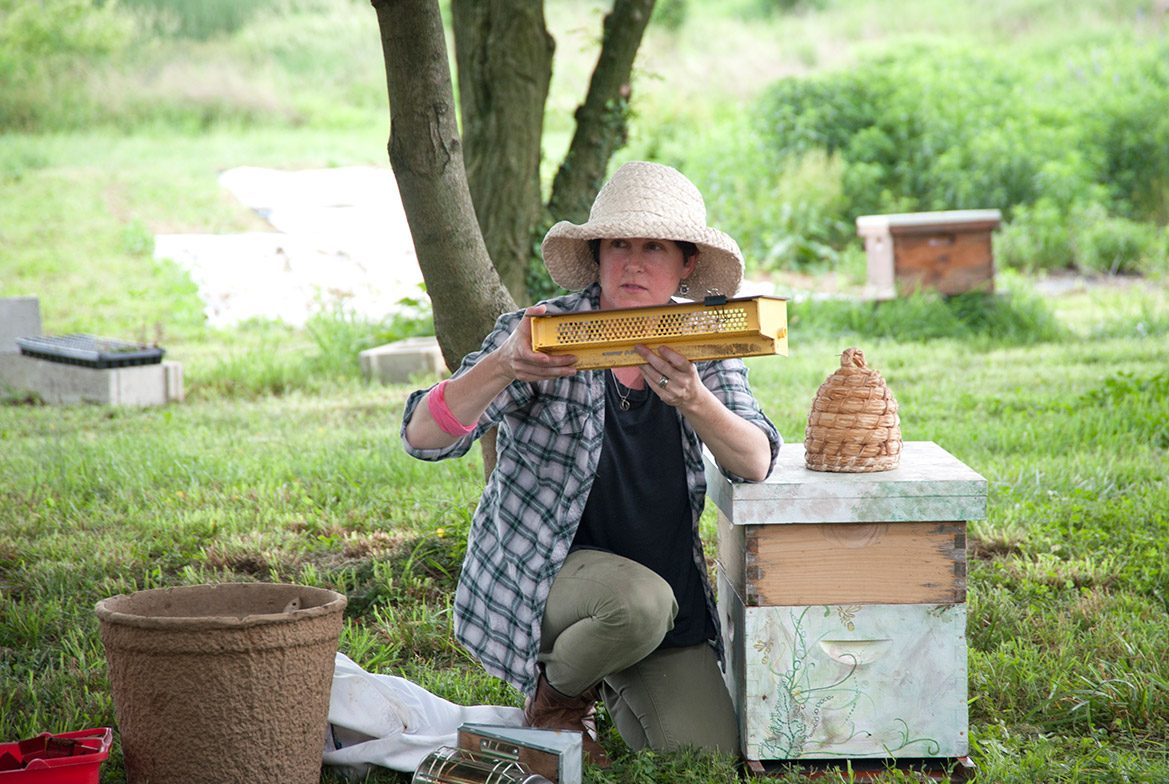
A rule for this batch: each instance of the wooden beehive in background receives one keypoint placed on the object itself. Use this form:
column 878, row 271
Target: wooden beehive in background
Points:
column 842, row 599
column 743, row 327
column 949, row 252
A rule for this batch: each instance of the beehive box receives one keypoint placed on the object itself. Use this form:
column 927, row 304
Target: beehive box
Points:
column 842, row 601
column 743, row 327
column 949, row 252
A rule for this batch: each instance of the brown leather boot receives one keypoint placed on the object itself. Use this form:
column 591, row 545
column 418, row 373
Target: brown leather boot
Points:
column 549, row 709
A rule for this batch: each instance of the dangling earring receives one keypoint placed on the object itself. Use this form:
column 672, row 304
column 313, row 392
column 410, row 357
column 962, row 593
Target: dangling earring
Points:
column 684, row 288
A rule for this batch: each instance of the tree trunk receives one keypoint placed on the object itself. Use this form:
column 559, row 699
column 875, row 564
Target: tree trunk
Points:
column 427, row 159
column 504, row 56
column 504, row 62
column 600, row 120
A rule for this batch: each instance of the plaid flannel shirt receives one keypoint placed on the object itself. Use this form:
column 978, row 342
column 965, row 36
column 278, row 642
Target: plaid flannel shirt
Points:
column 548, row 444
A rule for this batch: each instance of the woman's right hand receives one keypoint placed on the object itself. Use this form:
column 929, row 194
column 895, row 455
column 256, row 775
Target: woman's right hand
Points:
column 520, row 362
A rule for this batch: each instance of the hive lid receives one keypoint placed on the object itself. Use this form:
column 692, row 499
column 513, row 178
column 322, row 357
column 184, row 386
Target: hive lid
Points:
column 929, row 484
column 928, row 222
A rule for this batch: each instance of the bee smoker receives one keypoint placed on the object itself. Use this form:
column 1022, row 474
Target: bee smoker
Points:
column 461, row 766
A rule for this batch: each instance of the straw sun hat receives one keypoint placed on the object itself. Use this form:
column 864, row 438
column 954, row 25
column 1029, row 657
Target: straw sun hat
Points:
column 655, row 202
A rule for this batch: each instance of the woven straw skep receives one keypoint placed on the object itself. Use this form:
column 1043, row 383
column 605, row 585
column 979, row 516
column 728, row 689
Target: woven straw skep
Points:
column 853, row 426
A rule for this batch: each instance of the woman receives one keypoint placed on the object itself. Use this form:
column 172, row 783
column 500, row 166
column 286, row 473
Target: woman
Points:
column 584, row 574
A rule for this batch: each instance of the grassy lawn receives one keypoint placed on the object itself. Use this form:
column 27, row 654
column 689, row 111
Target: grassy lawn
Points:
column 283, row 464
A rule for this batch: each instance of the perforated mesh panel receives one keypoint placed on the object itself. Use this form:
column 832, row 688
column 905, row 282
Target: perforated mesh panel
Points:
column 650, row 327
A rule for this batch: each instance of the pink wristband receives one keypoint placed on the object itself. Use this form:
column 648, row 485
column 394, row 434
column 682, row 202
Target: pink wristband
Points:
column 436, row 402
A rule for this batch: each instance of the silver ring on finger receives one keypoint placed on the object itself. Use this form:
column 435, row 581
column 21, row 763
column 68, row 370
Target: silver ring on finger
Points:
column 663, row 382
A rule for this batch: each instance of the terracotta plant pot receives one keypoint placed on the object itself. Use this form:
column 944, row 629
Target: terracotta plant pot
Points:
column 222, row 683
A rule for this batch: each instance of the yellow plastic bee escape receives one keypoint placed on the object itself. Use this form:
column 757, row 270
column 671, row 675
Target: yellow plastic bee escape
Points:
column 743, row 327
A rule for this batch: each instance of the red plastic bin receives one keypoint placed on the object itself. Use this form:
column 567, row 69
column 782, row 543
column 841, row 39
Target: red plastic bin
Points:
column 65, row 758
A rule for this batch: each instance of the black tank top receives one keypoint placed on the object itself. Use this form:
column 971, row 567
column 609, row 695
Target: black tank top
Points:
column 639, row 505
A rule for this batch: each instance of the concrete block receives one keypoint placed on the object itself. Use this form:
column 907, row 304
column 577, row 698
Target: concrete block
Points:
column 395, row 363
column 20, row 317
column 57, row 383
column 13, row 374
column 173, row 372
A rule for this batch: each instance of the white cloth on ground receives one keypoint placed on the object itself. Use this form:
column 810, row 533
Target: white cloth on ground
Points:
column 388, row 721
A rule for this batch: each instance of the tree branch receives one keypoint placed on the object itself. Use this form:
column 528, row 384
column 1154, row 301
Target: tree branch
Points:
column 600, row 120
column 427, row 158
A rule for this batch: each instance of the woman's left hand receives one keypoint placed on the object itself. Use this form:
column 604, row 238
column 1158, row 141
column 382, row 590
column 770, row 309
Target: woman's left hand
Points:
column 671, row 376
column 737, row 445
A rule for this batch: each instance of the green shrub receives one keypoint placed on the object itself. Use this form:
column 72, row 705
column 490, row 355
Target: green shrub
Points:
column 1036, row 239
column 784, row 214
column 44, row 49
column 924, row 129
column 670, row 14
column 198, row 19
column 1109, row 244
column 1013, row 318
column 789, row 216
column 1085, row 237
column 187, row 65
column 38, row 36
column 1125, row 117
column 1074, row 149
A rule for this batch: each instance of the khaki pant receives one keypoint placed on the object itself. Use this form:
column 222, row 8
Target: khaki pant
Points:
column 605, row 617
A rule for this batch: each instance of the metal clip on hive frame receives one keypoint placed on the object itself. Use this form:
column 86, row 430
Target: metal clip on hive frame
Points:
column 743, row 327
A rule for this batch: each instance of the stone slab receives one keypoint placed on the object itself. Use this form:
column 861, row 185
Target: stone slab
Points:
column 340, row 239
column 397, row 362
column 20, row 317
column 56, row 383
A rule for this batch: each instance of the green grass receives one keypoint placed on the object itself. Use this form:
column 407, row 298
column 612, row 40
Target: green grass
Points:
column 1067, row 583
column 282, row 464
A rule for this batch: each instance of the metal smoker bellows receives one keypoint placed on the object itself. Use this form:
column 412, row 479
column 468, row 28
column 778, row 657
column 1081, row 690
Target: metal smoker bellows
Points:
column 743, row 327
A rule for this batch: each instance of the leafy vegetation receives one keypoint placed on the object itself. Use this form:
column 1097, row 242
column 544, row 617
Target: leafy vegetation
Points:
column 186, row 66
column 1063, row 132
column 1073, row 138
column 1014, row 318
column 1066, row 581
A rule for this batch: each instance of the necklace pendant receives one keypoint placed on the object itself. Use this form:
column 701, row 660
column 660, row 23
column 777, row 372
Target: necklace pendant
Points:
column 622, row 400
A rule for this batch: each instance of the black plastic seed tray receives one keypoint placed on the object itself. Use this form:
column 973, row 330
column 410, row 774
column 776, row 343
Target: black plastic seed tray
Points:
column 90, row 351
